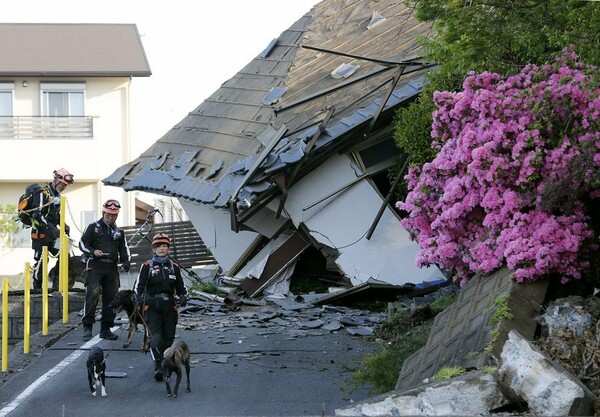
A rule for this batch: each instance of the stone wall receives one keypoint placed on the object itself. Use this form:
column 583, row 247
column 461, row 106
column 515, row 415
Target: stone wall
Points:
column 16, row 313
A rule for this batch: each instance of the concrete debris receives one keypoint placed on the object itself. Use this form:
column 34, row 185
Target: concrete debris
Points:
column 526, row 382
column 314, row 324
column 281, row 315
column 232, row 300
column 526, row 378
column 360, row 331
column 209, row 297
column 332, row 326
column 220, row 359
column 565, row 314
column 546, row 387
column 469, row 395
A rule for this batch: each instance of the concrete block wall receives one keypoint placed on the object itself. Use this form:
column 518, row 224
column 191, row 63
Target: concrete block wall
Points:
column 460, row 333
column 16, row 313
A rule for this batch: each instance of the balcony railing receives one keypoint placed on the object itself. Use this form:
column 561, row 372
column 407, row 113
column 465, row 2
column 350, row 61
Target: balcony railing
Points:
column 45, row 127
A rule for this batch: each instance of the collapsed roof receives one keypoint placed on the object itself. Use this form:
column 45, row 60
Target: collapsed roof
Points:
column 319, row 88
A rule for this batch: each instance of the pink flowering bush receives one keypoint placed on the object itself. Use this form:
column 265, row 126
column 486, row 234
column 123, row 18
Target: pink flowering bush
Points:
column 503, row 144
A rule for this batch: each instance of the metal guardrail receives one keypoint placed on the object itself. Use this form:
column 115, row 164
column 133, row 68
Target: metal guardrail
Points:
column 45, row 127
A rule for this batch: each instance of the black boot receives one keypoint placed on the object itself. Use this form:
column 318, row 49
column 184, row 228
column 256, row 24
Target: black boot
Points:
column 87, row 332
column 105, row 333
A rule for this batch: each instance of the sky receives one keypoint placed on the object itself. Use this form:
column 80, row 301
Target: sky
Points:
column 197, row 45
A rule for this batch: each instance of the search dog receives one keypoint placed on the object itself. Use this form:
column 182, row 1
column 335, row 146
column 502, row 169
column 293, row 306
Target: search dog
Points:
column 174, row 358
column 96, row 370
column 125, row 300
column 76, row 272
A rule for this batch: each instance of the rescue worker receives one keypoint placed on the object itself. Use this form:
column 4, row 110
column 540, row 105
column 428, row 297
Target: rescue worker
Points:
column 45, row 221
column 104, row 244
column 155, row 287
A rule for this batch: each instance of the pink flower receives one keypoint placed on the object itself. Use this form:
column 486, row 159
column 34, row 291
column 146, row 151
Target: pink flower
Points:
column 476, row 206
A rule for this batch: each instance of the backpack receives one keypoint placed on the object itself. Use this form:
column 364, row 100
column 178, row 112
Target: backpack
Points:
column 26, row 203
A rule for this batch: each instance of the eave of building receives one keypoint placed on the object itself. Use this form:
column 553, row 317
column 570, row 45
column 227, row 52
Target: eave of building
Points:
column 86, row 74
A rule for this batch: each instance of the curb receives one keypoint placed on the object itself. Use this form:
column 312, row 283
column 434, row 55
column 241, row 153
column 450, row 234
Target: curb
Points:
column 38, row 343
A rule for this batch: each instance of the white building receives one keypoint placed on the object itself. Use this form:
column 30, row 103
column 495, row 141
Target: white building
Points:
column 65, row 102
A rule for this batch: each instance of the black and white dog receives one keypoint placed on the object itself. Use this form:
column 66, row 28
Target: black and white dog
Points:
column 96, row 370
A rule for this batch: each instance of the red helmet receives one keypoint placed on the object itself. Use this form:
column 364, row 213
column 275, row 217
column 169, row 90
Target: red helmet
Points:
column 62, row 175
column 160, row 238
column 111, row 207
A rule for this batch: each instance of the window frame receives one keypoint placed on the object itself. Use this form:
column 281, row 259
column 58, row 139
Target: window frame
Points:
column 8, row 87
column 63, row 88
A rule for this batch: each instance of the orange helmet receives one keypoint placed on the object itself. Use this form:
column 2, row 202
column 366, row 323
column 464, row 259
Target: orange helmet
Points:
column 160, row 238
column 111, row 207
column 62, row 175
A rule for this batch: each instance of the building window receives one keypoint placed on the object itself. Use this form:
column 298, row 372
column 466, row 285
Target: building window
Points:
column 88, row 217
column 6, row 99
column 60, row 99
column 374, row 157
column 20, row 239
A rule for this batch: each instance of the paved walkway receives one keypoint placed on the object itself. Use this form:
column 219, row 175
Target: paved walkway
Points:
column 269, row 361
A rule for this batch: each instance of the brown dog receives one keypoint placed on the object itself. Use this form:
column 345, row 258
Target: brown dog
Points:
column 125, row 300
column 174, row 358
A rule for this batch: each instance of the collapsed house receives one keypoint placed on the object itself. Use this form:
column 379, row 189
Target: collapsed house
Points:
column 290, row 157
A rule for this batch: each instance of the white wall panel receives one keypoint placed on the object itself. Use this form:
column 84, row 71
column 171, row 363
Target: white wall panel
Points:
column 342, row 222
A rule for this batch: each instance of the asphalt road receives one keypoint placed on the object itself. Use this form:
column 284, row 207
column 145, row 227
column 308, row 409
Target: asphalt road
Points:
column 241, row 366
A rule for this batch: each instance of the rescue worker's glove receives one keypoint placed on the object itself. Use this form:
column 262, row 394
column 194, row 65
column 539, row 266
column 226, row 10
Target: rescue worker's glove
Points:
column 183, row 301
column 125, row 267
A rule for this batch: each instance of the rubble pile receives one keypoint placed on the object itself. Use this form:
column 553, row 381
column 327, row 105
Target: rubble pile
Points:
column 557, row 374
column 280, row 315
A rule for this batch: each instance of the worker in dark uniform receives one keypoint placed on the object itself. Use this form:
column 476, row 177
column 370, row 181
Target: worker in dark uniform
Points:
column 156, row 285
column 104, row 244
column 46, row 219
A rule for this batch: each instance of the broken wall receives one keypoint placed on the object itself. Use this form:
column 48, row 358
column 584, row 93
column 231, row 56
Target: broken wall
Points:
column 342, row 220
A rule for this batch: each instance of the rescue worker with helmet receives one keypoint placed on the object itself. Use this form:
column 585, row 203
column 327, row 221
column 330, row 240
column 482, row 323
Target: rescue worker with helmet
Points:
column 155, row 287
column 45, row 220
column 104, row 244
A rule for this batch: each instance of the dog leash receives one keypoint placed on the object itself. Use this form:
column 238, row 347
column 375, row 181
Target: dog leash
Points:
column 144, row 323
column 146, row 330
column 113, row 345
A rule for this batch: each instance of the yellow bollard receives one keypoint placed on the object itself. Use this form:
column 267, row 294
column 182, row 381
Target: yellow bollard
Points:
column 65, row 266
column 45, row 290
column 27, row 309
column 64, row 260
column 63, row 253
column 5, row 326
